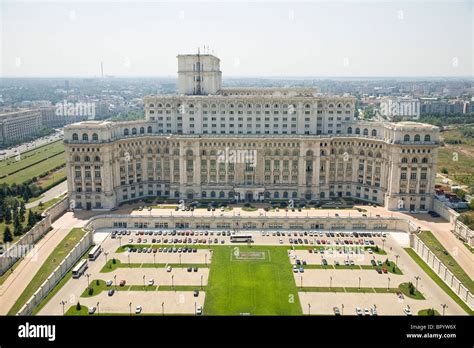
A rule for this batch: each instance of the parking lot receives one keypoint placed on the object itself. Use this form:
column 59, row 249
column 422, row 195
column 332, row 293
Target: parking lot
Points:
column 179, row 262
column 385, row 304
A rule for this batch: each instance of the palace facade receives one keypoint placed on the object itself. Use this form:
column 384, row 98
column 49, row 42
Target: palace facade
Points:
column 254, row 144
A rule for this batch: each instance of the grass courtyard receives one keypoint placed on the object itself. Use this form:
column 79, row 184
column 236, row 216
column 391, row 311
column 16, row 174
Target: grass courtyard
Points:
column 254, row 285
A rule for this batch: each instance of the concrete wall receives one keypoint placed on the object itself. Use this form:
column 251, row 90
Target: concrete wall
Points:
column 27, row 242
column 442, row 271
column 458, row 228
column 258, row 222
column 69, row 261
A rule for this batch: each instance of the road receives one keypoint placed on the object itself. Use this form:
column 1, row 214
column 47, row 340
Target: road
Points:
column 16, row 283
column 28, row 146
column 52, row 193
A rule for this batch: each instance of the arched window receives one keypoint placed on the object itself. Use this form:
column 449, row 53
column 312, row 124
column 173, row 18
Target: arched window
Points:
column 427, row 137
column 414, row 160
column 95, row 137
column 75, row 137
column 285, row 194
column 176, row 194
column 276, row 195
column 362, row 153
column 404, row 160
column 203, row 194
column 149, row 130
column 85, row 137
column 294, row 195
column 374, row 132
column 77, row 158
column 213, row 194
column 87, row 159
column 406, row 137
column 309, row 153
column 134, row 131
column 424, row 160
column 417, row 137
column 366, row 131
column 322, row 153
column 142, row 130
column 125, row 131
column 222, row 194
column 357, row 131
column 349, row 130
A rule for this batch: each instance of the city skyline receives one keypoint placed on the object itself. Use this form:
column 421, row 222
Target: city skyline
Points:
column 302, row 39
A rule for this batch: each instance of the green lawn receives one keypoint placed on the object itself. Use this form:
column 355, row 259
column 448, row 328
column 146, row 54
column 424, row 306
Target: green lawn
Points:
column 53, row 260
column 438, row 280
column 437, row 248
column 417, row 295
column 258, row 287
column 424, row 312
column 33, row 163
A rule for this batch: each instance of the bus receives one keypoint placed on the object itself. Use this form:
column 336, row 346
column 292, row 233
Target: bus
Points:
column 241, row 238
column 79, row 269
column 95, row 251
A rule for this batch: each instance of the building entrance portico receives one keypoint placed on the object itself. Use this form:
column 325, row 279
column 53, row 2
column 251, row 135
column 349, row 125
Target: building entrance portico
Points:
column 249, row 195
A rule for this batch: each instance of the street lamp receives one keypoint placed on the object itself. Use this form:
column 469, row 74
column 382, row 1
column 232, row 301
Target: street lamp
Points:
column 154, row 258
column 205, row 259
column 342, row 306
column 301, row 286
column 330, row 282
column 162, row 308
column 416, row 286
column 396, row 260
column 388, row 286
column 120, row 241
column 172, row 281
column 98, row 312
column 106, row 254
column 128, row 259
column 195, row 308
column 383, row 243
column 63, row 303
column 444, row 307
column 144, row 281
column 201, row 281
column 130, row 306
column 115, row 280
column 179, row 258
column 359, row 283
column 309, row 308
column 88, row 275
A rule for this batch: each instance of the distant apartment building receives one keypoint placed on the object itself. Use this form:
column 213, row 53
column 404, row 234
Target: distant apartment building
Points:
column 19, row 125
column 436, row 106
column 400, row 107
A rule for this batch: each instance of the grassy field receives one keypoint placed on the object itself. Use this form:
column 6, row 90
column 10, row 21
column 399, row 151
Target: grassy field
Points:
column 404, row 288
column 256, row 286
column 32, row 163
column 424, row 312
column 53, row 260
column 435, row 246
column 457, row 158
column 438, row 280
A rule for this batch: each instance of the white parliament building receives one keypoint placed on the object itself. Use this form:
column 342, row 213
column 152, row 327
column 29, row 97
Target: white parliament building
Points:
column 209, row 142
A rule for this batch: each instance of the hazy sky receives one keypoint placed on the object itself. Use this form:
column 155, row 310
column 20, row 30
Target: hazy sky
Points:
column 253, row 38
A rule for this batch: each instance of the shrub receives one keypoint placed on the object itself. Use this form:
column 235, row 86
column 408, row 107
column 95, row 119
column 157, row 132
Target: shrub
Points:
column 78, row 306
column 114, row 261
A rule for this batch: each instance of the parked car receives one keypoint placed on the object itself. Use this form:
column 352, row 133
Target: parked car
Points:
column 199, row 310
column 407, row 311
column 122, row 283
column 92, row 310
column 108, row 283
column 358, row 311
column 336, row 311
column 196, row 293
column 138, row 310
column 111, row 292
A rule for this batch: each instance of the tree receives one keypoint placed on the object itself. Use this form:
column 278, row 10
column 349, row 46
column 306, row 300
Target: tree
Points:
column 78, row 306
column 31, row 218
column 7, row 235
column 22, row 211
column 411, row 288
column 8, row 215
column 460, row 193
column 445, row 171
